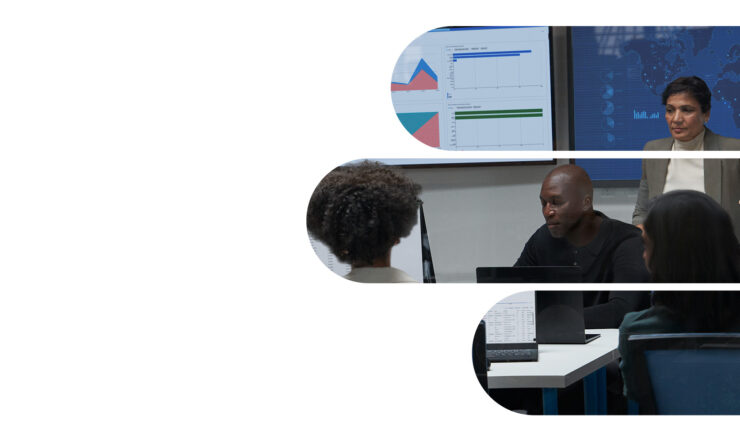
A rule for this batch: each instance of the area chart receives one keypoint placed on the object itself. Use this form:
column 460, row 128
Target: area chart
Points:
column 423, row 78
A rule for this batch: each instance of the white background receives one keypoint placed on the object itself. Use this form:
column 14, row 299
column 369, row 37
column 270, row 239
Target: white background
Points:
column 156, row 279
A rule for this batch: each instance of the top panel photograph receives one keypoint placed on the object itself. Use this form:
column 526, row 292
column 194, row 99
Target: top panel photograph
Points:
column 540, row 88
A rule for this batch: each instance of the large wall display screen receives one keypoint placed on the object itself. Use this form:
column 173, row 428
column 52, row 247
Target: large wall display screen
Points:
column 482, row 88
column 619, row 74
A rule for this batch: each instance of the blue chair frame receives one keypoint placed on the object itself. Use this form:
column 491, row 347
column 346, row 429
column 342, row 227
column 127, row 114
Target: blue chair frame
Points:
column 687, row 373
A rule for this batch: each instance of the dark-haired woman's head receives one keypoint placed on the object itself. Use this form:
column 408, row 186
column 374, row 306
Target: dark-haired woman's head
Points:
column 687, row 102
column 361, row 211
column 690, row 238
column 694, row 86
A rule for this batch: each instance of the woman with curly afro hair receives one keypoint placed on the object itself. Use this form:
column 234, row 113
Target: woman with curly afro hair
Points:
column 360, row 211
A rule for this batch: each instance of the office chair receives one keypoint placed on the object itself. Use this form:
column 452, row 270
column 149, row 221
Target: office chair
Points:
column 480, row 362
column 687, row 373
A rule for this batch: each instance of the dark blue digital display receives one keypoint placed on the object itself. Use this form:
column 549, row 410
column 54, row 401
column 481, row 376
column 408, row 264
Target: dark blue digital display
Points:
column 620, row 72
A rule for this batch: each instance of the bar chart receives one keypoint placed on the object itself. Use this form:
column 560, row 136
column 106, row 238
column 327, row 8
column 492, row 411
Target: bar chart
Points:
column 494, row 69
column 488, row 128
column 476, row 89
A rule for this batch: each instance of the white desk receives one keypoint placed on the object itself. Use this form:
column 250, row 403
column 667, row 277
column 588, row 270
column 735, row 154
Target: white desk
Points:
column 561, row 365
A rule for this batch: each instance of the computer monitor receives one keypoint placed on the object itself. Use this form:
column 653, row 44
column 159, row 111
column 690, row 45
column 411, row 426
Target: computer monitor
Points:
column 477, row 88
column 619, row 74
column 559, row 316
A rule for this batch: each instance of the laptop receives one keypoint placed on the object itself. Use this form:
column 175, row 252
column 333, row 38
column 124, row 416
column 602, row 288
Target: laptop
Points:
column 560, row 318
column 510, row 330
column 547, row 274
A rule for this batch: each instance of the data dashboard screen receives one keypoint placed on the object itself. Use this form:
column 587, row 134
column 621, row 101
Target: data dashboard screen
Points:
column 619, row 74
column 477, row 88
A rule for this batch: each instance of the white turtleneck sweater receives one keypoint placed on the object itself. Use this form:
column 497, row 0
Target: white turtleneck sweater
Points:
column 686, row 173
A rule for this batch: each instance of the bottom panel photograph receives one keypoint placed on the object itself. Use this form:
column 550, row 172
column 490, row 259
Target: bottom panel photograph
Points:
column 535, row 353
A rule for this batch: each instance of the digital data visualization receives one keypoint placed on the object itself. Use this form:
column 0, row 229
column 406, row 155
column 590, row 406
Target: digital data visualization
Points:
column 483, row 88
column 619, row 74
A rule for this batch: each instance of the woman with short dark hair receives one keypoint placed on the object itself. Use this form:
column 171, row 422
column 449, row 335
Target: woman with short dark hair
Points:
column 360, row 211
column 695, row 87
column 688, row 103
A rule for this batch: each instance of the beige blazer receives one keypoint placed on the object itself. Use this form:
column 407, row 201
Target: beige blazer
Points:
column 721, row 177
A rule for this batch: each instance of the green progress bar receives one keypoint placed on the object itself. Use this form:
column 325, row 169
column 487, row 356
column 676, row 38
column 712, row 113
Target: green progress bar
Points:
column 505, row 111
column 477, row 117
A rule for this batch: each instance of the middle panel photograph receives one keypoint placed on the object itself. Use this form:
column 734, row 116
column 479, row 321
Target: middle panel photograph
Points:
column 525, row 221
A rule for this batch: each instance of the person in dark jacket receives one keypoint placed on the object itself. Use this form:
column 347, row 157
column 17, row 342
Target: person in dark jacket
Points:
column 689, row 238
column 574, row 234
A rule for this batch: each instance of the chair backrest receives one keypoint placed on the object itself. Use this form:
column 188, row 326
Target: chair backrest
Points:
column 480, row 363
column 689, row 373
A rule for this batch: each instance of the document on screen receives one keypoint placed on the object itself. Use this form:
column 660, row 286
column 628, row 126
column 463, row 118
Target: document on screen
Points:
column 512, row 320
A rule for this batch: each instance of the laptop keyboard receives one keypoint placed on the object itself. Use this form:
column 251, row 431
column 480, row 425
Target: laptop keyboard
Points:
column 510, row 355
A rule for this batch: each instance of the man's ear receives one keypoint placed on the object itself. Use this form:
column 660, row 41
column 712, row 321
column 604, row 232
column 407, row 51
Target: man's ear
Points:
column 587, row 203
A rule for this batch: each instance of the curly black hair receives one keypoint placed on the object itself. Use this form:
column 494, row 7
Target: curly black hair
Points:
column 360, row 210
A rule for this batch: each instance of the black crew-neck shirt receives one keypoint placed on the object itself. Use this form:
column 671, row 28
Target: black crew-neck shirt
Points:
column 614, row 255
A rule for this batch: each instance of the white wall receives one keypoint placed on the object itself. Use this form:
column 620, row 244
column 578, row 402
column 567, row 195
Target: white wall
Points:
column 483, row 215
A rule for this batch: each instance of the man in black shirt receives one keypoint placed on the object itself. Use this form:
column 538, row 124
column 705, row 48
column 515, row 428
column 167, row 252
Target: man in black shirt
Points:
column 606, row 250
column 574, row 234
